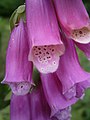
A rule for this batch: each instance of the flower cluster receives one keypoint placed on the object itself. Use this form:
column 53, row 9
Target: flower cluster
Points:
column 47, row 41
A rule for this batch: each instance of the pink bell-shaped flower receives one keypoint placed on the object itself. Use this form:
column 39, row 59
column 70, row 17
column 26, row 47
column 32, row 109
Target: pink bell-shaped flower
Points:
column 44, row 39
column 73, row 19
column 70, row 72
column 18, row 68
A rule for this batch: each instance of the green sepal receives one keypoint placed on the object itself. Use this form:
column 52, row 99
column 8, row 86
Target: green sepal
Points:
column 16, row 16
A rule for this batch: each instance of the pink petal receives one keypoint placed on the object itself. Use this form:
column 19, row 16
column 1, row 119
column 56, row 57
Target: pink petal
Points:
column 19, row 108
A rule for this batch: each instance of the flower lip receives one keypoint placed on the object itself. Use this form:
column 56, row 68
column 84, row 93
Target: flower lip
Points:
column 81, row 35
column 64, row 114
column 20, row 88
column 46, row 58
column 70, row 93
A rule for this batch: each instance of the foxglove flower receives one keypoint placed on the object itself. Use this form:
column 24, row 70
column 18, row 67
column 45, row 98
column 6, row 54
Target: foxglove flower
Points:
column 73, row 19
column 19, row 108
column 70, row 72
column 53, row 92
column 85, row 48
column 44, row 38
column 18, row 68
column 38, row 104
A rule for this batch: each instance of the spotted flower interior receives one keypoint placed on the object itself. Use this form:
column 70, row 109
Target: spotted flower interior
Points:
column 46, row 58
column 21, row 88
column 81, row 35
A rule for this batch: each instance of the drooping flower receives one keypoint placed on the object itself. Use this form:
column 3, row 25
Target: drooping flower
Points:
column 85, row 48
column 39, row 107
column 18, row 68
column 70, row 72
column 74, row 19
column 53, row 93
column 19, row 108
column 44, row 38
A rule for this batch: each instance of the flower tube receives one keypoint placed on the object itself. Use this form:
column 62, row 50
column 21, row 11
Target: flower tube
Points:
column 53, row 93
column 39, row 107
column 18, row 68
column 74, row 19
column 44, row 38
column 70, row 72
column 19, row 108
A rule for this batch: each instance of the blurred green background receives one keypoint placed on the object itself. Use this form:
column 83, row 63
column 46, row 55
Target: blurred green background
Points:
column 80, row 111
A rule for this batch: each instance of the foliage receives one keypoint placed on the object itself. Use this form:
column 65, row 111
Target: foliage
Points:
column 8, row 6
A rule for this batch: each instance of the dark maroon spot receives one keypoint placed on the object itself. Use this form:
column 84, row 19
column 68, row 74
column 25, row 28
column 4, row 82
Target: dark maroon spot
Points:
column 39, row 48
column 76, row 34
column 52, row 50
column 44, row 49
column 39, row 56
column 21, row 86
column 48, row 57
column 80, row 32
column 36, row 54
column 39, row 52
column 47, row 53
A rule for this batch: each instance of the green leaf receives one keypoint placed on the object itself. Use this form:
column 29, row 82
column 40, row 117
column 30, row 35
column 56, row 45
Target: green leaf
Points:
column 4, row 104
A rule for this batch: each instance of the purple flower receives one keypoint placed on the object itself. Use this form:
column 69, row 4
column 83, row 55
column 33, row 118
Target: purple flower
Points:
column 18, row 68
column 39, row 107
column 53, row 93
column 74, row 19
column 44, row 38
column 70, row 72
column 19, row 108
column 85, row 48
